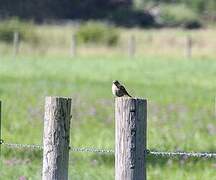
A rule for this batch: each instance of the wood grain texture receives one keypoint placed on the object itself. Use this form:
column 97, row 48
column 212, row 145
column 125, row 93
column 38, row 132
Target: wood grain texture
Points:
column 130, row 138
column 56, row 138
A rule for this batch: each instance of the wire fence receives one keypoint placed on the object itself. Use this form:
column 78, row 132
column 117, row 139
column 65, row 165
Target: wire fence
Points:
column 148, row 152
column 168, row 154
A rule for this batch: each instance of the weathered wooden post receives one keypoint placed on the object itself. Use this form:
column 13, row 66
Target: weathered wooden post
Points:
column 189, row 44
column 15, row 44
column 130, row 138
column 73, row 45
column 56, row 138
column 131, row 46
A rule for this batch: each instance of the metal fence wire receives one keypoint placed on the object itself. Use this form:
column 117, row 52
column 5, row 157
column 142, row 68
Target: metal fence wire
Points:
column 167, row 154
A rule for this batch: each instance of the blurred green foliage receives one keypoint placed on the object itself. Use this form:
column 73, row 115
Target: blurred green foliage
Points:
column 178, row 14
column 197, row 5
column 99, row 33
column 26, row 31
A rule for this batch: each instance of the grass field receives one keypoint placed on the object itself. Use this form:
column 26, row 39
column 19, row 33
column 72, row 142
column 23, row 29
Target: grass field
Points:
column 180, row 97
column 180, row 93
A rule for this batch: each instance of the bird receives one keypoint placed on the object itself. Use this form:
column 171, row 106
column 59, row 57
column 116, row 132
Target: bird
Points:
column 119, row 90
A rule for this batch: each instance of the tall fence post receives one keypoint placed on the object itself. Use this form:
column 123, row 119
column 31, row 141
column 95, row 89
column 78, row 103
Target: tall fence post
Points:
column 189, row 44
column 56, row 138
column 73, row 45
column 15, row 44
column 131, row 46
column 130, row 138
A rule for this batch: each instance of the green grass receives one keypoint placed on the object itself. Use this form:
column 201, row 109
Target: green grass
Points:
column 180, row 95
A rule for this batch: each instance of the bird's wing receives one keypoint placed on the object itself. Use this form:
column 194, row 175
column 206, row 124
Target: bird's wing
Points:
column 122, row 88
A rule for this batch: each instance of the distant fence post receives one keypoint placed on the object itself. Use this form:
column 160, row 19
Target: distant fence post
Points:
column 130, row 138
column 15, row 44
column 131, row 46
column 73, row 45
column 189, row 44
column 56, row 138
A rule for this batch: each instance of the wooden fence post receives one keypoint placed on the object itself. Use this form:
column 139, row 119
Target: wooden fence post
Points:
column 56, row 138
column 15, row 44
column 189, row 44
column 130, row 138
column 73, row 45
column 131, row 46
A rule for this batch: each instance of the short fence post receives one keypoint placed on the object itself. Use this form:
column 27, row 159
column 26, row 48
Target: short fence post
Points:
column 189, row 44
column 56, row 138
column 130, row 138
column 15, row 44
column 73, row 45
column 131, row 46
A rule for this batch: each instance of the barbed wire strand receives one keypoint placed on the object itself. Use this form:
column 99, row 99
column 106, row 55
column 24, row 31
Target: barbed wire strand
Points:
column 185, row 154
column 22, row 146
column 91, row 149
column 110, row 151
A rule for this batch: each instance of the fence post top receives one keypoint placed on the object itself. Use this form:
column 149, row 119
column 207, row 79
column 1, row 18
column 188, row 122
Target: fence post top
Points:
column 130, row 98
column 58, row 97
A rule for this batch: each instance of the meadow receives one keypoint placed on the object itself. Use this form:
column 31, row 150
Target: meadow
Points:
column 180, row 93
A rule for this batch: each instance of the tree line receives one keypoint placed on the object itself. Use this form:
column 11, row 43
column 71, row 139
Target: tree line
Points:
column 45, row 9
column 39, row 10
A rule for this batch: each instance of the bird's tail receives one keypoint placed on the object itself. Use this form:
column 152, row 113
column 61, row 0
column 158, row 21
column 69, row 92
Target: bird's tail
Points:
column 128, row 95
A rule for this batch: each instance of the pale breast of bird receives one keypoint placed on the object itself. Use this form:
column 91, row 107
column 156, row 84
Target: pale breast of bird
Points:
column 116, row 91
